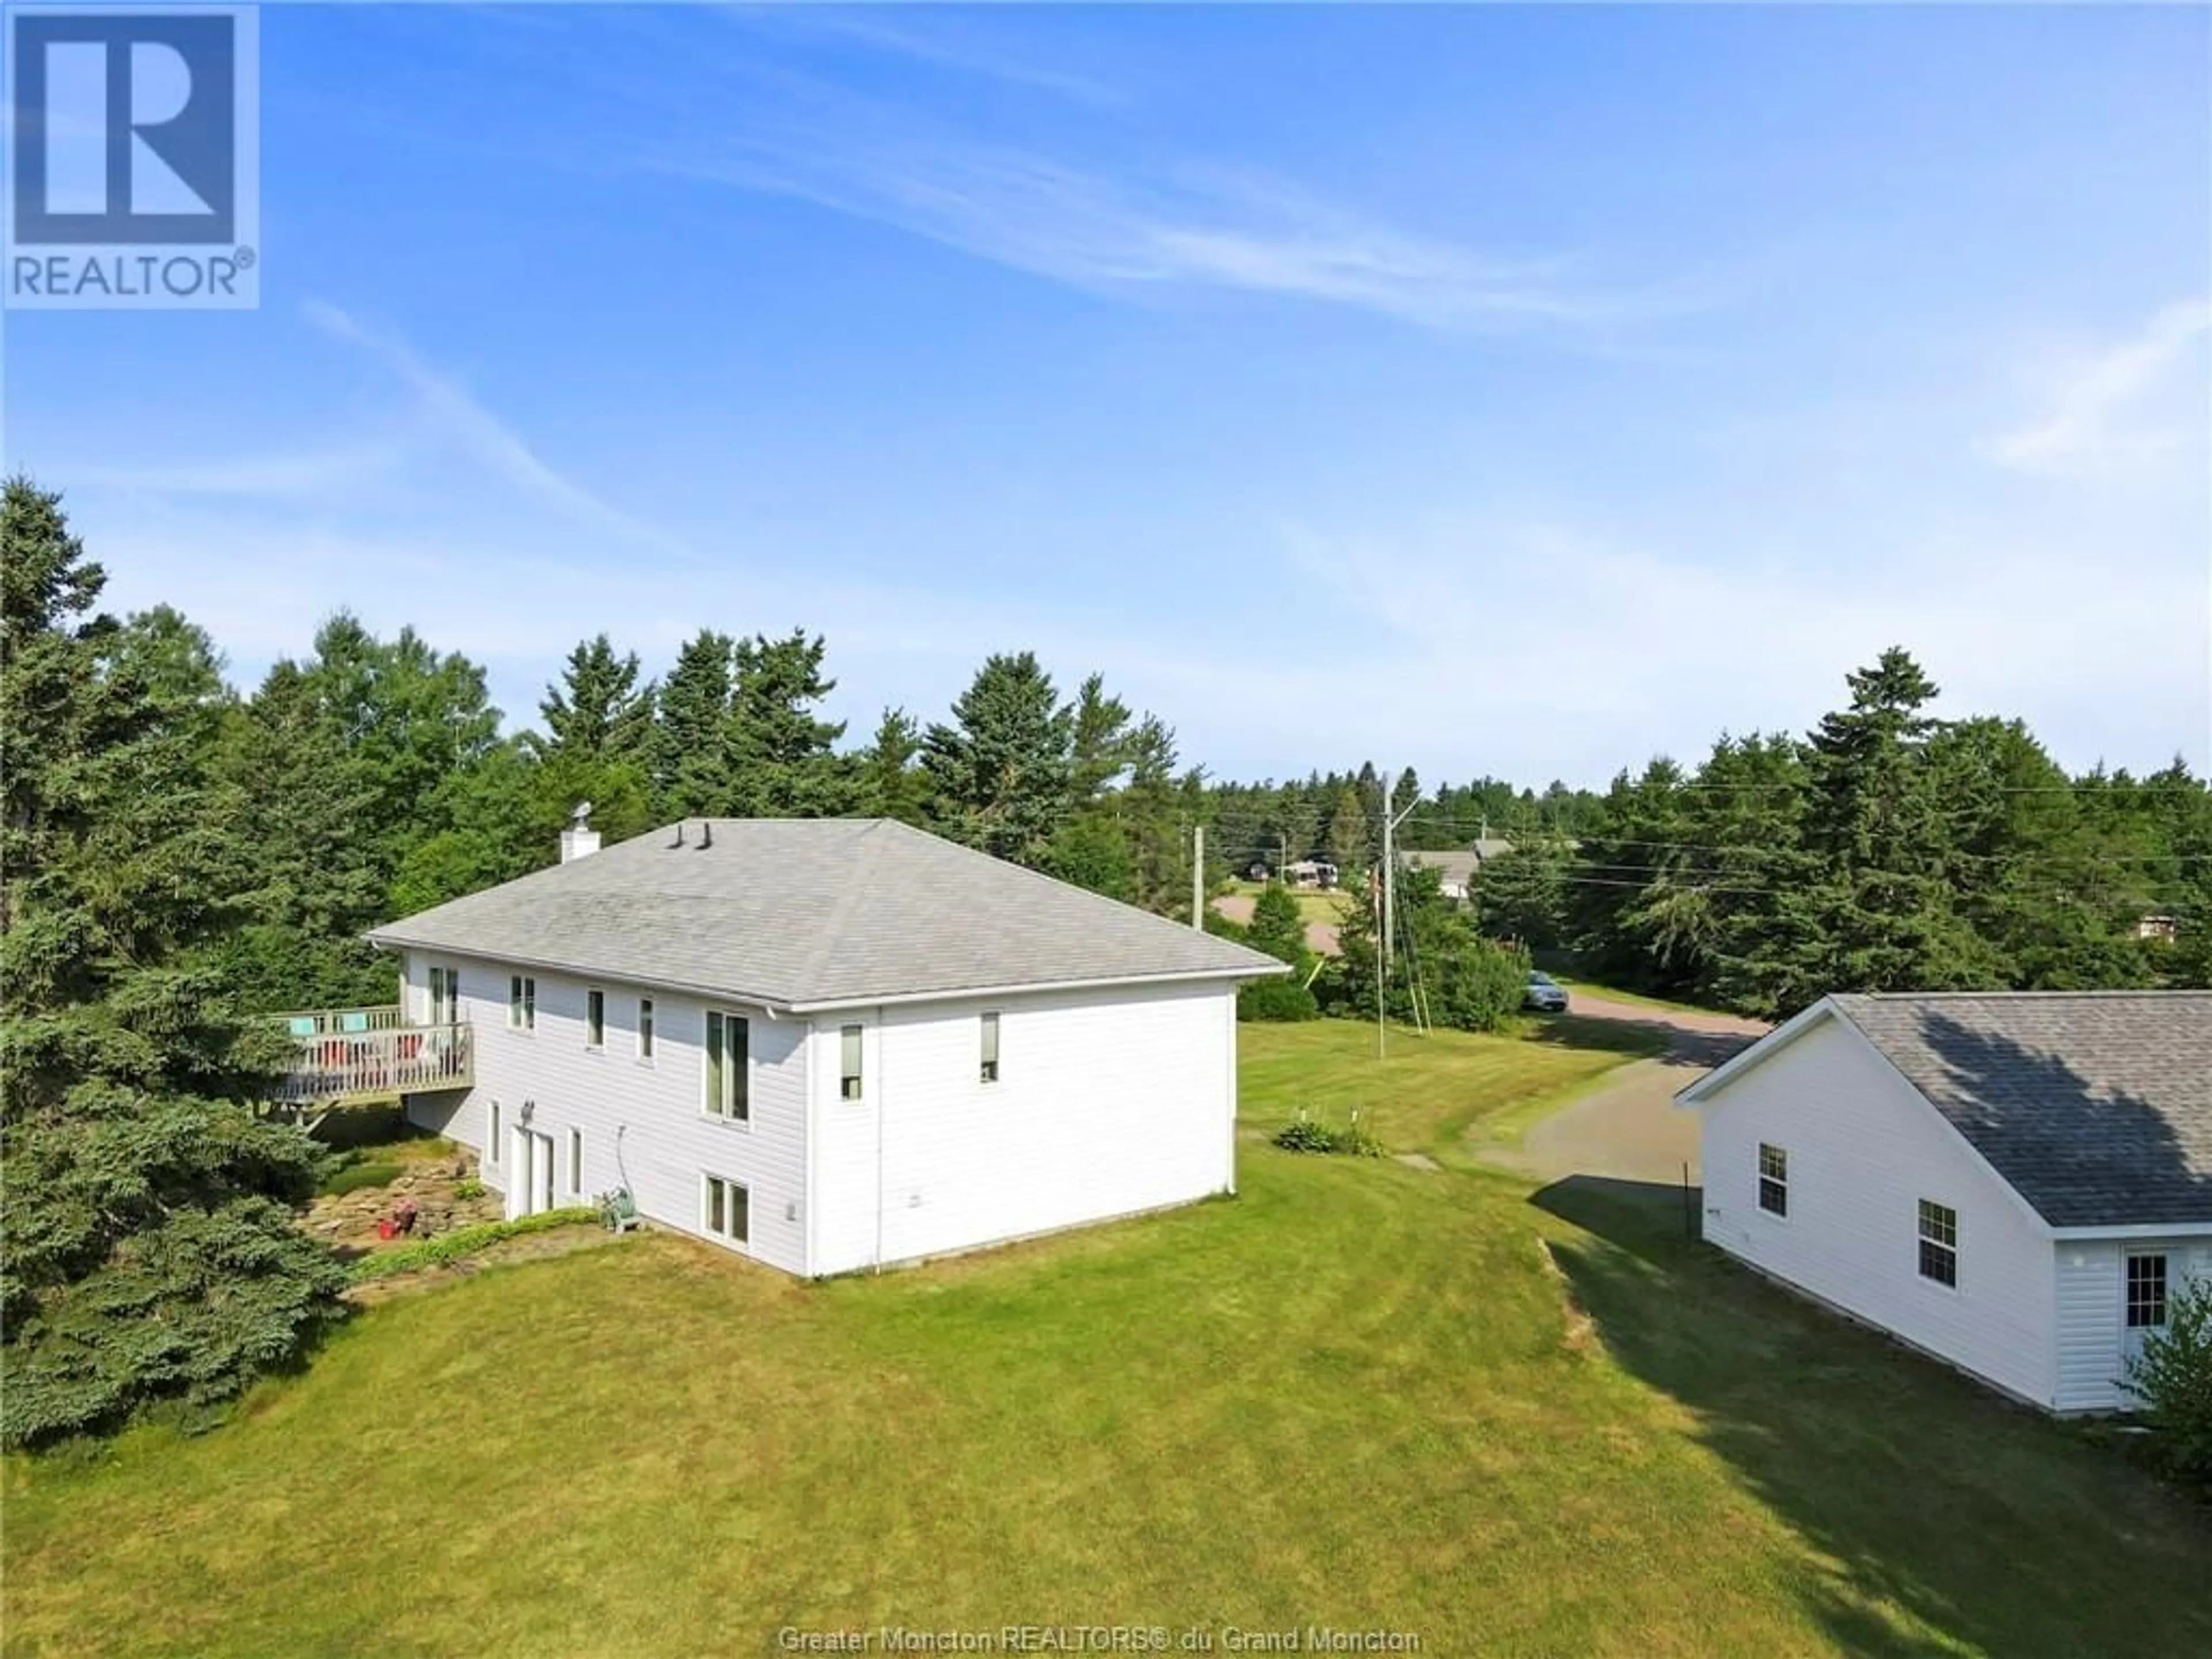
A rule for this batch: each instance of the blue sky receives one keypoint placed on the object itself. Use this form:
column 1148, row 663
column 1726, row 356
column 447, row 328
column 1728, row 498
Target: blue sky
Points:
column 1511, row 392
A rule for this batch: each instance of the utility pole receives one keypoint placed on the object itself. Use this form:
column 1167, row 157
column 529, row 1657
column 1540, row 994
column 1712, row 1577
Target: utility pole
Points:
column 1390, row 822
column 1198, row 876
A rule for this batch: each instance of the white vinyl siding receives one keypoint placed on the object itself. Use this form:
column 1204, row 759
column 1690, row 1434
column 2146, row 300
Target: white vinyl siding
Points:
column 643, row 1126
column 1122, row 1100
column 2092, row 1302
column 1864, row 1150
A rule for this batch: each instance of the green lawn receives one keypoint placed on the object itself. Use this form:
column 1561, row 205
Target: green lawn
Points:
column 1427, row 1091
column 1358, row 1394
column 1313, row 905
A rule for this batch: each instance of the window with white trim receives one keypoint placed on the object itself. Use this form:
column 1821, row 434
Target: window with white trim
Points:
column 990, row 1059
column 1939, row 1243
column 575, row 1163
column 444, row 995
column 2146, row 1293
column 491, row 1133
column 729, row 1065
column 850, row 1043
column 522, row 1002
column 595, row 1019
column 1773, row 1180
column 726, row 1209
column 644, row 1028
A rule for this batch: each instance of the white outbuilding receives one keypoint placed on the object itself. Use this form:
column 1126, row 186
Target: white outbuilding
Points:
column 2017, row 1183
column 826, row 1044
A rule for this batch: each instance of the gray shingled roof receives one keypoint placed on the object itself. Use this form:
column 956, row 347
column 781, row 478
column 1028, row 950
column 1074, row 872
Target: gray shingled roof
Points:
column 793, row 911
column 2096, row 1106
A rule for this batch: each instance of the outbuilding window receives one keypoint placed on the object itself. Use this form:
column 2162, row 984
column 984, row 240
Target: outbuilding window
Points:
column 848, row 1061
column 644, row 1028
column 595, row 1019
column 990, row 1068
column 1939, row 1243
column 1773, row 1180
column 2146, row 1293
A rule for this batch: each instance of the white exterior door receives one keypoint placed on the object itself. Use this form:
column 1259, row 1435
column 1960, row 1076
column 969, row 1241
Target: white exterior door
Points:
column 531, row 1161
column 2143, row 1299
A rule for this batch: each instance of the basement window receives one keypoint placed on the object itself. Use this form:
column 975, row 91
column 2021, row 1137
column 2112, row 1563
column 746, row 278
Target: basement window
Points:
column 1939, row 1243
column 595, row 1019
column 2146, row 1293
column 848, row 1064
column 1773, row 1180
column 990, row 1049
column 727, row 1209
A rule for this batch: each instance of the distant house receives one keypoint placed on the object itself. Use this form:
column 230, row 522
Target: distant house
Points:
column 2017, row 1183
column 1457, row 870
column 2157, row 925
column 825, row 1044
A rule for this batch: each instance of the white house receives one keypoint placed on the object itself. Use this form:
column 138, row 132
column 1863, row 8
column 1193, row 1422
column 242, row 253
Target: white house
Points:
column 828, row 1044
column 2017, row 1183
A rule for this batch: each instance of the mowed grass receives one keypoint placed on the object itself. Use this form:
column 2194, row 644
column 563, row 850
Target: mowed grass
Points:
column 1315, row 905
column 1425, row 1092
column 1357, row 1394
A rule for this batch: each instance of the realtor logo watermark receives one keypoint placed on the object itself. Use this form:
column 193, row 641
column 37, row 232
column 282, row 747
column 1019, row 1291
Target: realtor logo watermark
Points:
column 134, row 157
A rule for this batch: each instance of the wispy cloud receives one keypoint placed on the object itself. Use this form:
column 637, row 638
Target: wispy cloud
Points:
column 456, row 418
column 934, row 42
column 2095, row 414
column 1123, row 228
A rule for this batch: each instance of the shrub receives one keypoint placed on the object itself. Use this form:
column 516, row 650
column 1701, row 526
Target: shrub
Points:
column 469, row 1187
column 1276, row 1000
column 463, row 1241
column 2173, row 1377
column 352, row 1177
column 1305, row 1136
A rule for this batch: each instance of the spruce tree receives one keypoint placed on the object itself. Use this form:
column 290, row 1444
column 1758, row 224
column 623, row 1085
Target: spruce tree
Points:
column 781, row 757
column 1001, row 770
column 892, row 784
column 151, row 1253
column 690, row 763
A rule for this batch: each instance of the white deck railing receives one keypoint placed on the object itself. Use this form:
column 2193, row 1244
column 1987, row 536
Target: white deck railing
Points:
column 338, row 1052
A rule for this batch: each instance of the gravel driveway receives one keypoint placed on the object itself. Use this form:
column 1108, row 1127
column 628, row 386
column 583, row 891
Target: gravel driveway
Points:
column 1629, row 1128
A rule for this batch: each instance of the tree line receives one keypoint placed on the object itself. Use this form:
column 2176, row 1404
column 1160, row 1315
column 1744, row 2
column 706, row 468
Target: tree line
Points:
column 180, row 858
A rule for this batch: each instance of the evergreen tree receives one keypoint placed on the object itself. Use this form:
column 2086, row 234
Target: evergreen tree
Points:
column 892, row 785
column 1000, row 772
column 782, row 759
column 1522, row 894
column 690, row 759
column 151, row 1253
column 1278, row 927
column 1347, row 832
column 598, row 711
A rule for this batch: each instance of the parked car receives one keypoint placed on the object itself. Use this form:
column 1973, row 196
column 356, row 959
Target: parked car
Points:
column 1545, row 994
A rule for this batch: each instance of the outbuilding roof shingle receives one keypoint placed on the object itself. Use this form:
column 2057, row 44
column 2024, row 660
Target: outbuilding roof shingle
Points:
column 2095, row 1106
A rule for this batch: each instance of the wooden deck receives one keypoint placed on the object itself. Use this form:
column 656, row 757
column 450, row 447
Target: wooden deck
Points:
column 340, row 1054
